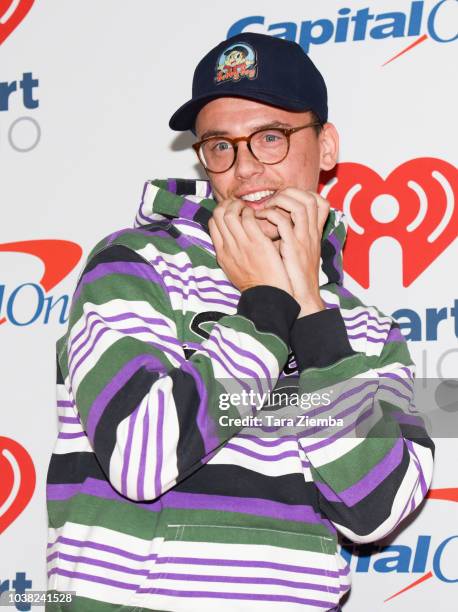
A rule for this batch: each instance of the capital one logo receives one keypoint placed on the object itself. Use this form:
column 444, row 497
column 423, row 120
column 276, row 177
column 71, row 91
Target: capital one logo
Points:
column 416, row 204
column 59, row 258
column 12, row 12
column 425, row 559
column 17, row 483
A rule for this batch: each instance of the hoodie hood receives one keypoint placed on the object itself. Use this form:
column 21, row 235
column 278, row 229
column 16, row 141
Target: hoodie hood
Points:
column 189, row 205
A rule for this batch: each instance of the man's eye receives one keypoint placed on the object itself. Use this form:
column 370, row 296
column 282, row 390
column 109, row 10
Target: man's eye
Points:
column 221, row 146
column 271, row 137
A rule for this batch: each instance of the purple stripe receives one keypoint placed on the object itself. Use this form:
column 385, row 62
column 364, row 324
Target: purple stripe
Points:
column 172, row 185
column 248, row 371
column 200, row 561
column 423, row 485
column 126, row 331
column 394, row 391
column 242, row 596
column 192, row 501
column 143, row 270
column 255, row 455
column 244, row 353
column 65, row 403
column 264, row 442
column 159, row 443
column 407, row 419
column 142, row 204
column 364, row 313
column 71, row 436
column 117, row 382
column 395, row 335
column 407, row 383
column 188, row 210
column 332, row 238
column 102, row 547
column 142, row 466
column 300, row 569
column 72, row 420
column 371, row 327
column 376, row 475
column 127, row 451
column 90, row 578
column 326, row 409
column 243, row 580
column 208, row 189
column 114, row 318
column 329, row 440
column 97, row 562
column 202, row 299
column 199, row 279
column 368, row 338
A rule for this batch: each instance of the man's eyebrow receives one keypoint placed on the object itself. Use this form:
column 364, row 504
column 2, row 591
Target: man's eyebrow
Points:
column 264, row 126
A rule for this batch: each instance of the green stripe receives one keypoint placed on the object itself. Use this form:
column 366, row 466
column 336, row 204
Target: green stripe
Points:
column 84, row 604
column 129, row 518
column 354, row 465
column 109, row 364
column 314, row 379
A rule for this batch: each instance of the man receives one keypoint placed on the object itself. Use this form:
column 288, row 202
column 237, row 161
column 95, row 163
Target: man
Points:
column 157, row 502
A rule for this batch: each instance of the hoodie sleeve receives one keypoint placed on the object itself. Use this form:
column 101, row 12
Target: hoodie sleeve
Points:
column 374, row 468
column 151, row 414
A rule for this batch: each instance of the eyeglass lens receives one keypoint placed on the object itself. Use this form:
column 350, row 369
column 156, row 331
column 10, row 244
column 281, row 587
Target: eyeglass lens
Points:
column 268, row 146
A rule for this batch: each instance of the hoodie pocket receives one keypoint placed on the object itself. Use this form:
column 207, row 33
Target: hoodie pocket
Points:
column 240, row 569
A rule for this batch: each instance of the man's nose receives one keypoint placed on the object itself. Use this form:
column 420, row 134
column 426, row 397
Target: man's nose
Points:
column 246, row 165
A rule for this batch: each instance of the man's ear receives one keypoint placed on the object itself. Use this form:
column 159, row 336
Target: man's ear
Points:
column 329, row 146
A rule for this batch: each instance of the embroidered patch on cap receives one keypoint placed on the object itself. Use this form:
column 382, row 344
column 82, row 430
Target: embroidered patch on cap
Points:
column 236, row 62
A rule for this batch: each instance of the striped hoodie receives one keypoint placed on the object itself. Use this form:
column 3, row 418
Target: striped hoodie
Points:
column 153, row 503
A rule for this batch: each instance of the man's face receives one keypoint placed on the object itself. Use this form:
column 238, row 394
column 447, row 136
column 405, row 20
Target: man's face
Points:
column 308, row 153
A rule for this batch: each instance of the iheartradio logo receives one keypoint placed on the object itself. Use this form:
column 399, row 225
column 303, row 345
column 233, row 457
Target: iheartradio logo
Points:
column 17, row 483
column 12, row 12
column 416, row 204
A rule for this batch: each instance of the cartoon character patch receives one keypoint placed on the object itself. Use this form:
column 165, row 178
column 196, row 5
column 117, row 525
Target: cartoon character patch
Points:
column 236, row 62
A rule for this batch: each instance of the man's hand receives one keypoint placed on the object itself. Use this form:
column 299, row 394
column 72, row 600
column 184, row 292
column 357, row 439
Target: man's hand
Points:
column 245, row 254
column 300, row 217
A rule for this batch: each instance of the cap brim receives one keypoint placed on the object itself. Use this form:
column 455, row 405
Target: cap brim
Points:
column 185, row 117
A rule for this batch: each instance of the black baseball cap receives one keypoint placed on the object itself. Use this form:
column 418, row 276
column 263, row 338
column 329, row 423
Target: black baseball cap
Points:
column 258, row 67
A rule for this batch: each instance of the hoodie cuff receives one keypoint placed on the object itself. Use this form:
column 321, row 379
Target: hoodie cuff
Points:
column 320, row 339
column 270, row 309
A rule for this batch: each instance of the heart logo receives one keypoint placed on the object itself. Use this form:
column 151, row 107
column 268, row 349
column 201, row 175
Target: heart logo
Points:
column 17, row 483
column 416, row 204
column 12, row 12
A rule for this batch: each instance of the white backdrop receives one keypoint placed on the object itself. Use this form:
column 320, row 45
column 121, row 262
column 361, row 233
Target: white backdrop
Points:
column 86, row 91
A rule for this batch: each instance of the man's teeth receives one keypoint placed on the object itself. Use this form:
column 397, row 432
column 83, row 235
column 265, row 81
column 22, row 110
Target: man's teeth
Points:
column 258, row 195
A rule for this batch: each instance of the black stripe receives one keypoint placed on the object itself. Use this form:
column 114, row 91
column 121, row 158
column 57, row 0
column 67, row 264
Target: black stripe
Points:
column 74, row 468
column 416, row 434
column 186, row 187
column 59, row 377
column 123, row 404
column 114, row 253
column 236, row 481
column 328, row 253
column 228, row 480
column 368, row 514
column 203, row 216
column 190, row 448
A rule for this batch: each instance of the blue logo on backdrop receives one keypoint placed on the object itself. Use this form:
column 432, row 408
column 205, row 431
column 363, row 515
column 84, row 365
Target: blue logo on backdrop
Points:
column 358, row 25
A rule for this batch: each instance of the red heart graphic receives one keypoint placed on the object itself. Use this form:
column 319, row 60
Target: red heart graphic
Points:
column 17, row 483
column 8, row 23
column 426, row 221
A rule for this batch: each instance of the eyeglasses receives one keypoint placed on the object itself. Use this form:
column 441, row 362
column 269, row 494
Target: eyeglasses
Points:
column 269, row 146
